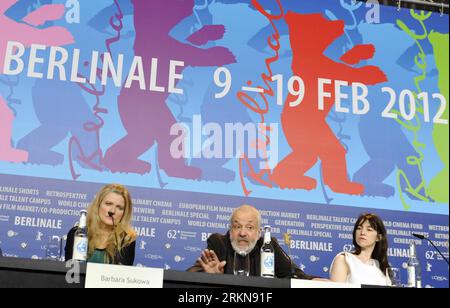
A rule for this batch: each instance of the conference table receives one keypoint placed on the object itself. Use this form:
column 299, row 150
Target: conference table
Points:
column 26, row 273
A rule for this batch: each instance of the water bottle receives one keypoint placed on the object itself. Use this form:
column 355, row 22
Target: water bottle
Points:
column 414, row 270
column 80, row 244
column 267, row 255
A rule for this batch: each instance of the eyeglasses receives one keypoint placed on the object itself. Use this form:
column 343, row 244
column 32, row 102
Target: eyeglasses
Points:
column 248, row 228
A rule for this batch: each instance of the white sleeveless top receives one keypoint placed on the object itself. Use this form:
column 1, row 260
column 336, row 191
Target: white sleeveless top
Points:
column 362, row 273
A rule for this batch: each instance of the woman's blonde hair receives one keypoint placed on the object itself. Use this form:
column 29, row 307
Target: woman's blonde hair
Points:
column 124, row 233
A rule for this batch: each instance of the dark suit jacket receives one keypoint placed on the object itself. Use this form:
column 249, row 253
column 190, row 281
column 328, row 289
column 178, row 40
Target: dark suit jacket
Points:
column 221, row 245
column 125, row 257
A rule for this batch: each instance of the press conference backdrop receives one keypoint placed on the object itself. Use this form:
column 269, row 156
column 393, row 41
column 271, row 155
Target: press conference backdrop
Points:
column 195, row 79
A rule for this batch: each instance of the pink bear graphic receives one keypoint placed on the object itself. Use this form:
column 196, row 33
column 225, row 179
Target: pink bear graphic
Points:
column 27, row 34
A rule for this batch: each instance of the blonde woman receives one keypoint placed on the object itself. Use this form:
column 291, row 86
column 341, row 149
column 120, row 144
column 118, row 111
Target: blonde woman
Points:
column 112, row 239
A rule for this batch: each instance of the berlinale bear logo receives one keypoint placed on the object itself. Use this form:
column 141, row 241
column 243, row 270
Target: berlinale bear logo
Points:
column 305, row 126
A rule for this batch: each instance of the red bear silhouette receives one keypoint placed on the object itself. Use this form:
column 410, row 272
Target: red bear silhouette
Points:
column 305, row 126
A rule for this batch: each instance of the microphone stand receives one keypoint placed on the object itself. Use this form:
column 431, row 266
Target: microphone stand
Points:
column 423, row 237
column 287, row 241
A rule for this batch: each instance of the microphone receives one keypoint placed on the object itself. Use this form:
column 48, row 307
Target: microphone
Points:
column 419, row 236
column 287, row 241
column 423, row 237
column 111, row 214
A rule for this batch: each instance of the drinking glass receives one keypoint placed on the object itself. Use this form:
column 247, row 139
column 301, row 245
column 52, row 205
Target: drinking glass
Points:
column 53, row 248
column 395, row 276
column 241, row 264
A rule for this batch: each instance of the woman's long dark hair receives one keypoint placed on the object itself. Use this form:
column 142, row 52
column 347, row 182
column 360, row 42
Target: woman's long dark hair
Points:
column 380, row 251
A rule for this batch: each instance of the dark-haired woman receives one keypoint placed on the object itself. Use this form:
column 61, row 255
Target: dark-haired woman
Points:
column 368, row 263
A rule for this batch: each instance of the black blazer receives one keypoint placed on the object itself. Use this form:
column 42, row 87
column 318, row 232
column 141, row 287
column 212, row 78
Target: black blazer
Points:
column 124, row 257
column 221, row 245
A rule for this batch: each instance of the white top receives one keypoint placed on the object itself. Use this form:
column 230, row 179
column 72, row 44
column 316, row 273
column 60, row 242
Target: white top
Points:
column 364, row 273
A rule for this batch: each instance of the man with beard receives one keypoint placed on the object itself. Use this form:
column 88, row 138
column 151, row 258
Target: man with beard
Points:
column 244, row 236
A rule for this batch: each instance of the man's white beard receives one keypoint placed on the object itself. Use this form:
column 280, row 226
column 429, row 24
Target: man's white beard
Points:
column 251, row 246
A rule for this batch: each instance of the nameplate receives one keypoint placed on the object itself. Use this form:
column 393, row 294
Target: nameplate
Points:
column 303, row 284
column 119, row 276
